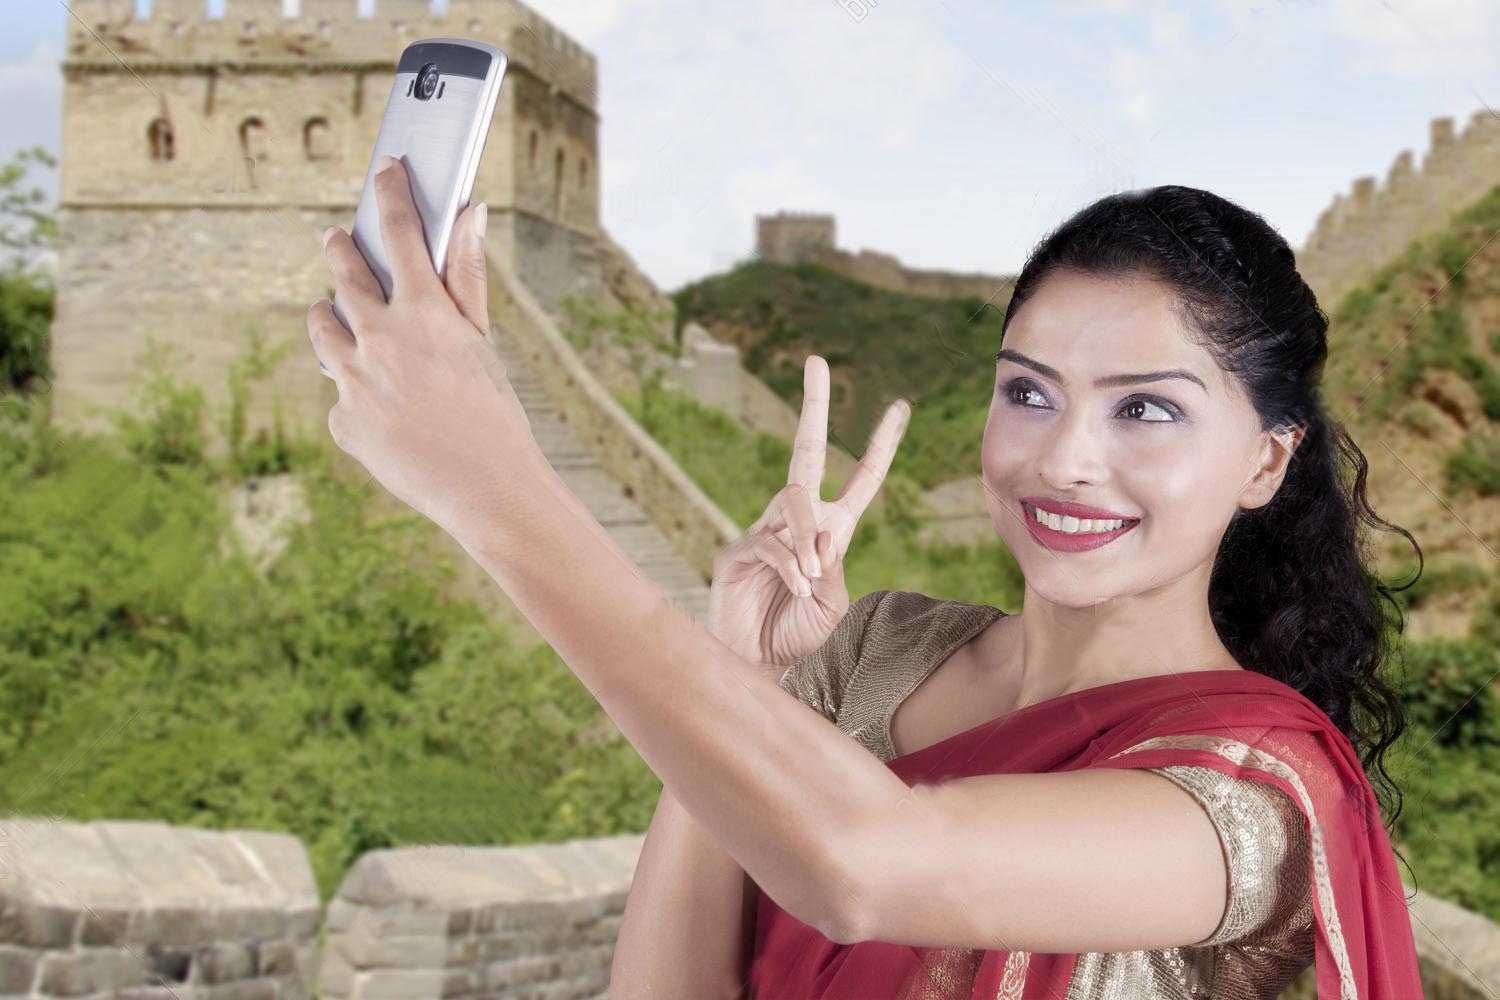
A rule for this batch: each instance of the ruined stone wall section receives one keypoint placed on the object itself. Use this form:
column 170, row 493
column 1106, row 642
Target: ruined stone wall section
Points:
column 1369, row 226
column 792, row 237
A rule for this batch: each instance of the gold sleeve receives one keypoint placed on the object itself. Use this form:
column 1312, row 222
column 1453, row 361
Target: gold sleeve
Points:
column 820, row 678
column 1264, row 837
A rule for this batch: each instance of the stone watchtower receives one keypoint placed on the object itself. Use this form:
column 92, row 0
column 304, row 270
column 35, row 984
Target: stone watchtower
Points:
column 202, row 158
column 788, row 237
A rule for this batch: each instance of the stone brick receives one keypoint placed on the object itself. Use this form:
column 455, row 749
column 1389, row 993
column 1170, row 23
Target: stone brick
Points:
column 17, row 968
column 77, row 973
column 245, row 989
column 340, row 915
column 459, row 922
column 335, row 974
column 460, row 982
column 398, row 984
column 102, row 925
column 156, row 993
column 223, row 962
column 302, row 921
column 518, row 971
column 170, row 964
column 409, row 952
column 239, row 922
column 172, row 876
column 178, row 926
column 275, row 958
column 41, row 925
column 401, row 920
column 284, row 857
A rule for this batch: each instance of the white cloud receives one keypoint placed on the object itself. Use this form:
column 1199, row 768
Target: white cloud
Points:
column 1169, row 28
column 34, row 75
column 1440, row 38
column 31, row 93
column 587, row 21
column 1130, row 71
column 877, row 76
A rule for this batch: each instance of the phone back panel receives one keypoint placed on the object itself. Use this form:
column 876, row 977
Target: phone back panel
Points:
column 440, row 141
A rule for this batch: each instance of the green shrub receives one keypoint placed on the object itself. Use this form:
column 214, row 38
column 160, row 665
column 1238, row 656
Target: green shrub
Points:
column 1476, row 463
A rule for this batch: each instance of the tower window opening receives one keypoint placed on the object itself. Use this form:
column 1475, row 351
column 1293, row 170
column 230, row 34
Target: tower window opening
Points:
column 159, row 139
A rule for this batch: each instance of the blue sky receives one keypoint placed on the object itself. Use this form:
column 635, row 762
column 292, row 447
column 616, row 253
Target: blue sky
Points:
column 955, row 133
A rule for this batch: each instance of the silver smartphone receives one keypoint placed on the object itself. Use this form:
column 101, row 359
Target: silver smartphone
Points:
column 436, row 122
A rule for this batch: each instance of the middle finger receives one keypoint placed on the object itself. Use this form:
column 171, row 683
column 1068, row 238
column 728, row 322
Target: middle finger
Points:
column 412, row 273
column 868, row 475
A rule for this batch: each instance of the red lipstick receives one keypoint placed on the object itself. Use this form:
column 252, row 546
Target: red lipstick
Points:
column 1066, row 508
column 1060, row 541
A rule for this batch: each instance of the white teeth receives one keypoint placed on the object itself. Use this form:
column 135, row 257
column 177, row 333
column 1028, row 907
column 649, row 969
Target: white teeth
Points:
column 1069, row 525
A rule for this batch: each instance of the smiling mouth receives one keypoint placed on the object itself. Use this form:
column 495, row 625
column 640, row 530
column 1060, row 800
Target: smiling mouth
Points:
column 1079, row 526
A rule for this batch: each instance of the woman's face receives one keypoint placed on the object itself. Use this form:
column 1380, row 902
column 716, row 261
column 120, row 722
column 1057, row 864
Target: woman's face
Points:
column 1172, row 452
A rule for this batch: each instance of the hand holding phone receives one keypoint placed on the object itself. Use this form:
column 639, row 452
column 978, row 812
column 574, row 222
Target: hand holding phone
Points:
column 436, row 122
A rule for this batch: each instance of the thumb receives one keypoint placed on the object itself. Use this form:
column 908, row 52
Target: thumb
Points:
column 468, row 274
column 828, row 561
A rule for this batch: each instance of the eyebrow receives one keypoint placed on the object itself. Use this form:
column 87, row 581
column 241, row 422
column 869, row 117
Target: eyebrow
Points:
column 1006, row 354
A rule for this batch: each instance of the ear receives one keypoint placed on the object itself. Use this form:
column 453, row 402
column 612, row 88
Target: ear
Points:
column 1275, row 455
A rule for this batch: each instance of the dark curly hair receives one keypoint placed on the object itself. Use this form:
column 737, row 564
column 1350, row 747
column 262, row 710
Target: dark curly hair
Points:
column 1291, row 594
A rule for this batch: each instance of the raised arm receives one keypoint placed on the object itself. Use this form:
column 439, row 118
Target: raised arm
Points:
column 1095, row 860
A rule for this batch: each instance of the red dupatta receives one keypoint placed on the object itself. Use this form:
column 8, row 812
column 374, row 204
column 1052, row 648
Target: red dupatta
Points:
column 1239, row 722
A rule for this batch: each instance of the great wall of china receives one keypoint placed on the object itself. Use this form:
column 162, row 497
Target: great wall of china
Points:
column 191, row 207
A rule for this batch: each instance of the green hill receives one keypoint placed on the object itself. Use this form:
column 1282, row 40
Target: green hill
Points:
column 879, row 345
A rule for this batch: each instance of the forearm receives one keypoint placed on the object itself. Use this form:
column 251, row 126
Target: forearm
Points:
column 772, row 781
column 684, row 931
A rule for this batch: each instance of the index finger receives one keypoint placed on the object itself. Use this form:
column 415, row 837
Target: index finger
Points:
column 810, row 446
column 401, row 232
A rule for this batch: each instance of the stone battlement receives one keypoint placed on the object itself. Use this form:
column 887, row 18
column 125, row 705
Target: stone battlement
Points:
column 1367, row 227
column 256, row 35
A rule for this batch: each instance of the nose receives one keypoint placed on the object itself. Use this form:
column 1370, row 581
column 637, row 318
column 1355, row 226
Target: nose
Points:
column 1073, row 452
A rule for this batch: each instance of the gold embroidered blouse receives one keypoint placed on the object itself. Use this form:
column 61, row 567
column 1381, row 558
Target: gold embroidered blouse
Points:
column 890, row 640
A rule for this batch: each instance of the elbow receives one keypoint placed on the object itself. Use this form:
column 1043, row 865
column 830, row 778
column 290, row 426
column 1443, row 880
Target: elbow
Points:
column 845, row 903
column 874, row 866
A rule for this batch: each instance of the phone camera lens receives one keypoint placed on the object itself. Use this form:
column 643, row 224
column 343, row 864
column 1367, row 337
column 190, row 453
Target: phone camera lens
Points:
column 427, row 81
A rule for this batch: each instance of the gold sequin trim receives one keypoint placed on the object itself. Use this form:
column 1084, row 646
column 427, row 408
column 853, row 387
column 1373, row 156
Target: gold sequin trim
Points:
column 1245, row 755
column 1013, row 978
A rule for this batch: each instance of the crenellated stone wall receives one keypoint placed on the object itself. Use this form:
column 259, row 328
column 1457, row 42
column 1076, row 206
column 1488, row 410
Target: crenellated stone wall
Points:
column 147, row 911
column 792, row 237
column 1369, row 226
column 539, row 920
column 144, row 911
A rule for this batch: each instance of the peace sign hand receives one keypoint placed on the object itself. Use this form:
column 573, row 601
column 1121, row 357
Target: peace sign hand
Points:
column 754, row 602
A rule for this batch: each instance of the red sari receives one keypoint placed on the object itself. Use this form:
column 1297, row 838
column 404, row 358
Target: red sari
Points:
column 1240, row 722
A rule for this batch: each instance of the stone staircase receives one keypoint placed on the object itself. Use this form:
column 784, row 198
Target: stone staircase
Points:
column 624, row 519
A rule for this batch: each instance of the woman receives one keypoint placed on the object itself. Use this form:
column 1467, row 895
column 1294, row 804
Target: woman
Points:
column 1222, row 638
column 1090, row 798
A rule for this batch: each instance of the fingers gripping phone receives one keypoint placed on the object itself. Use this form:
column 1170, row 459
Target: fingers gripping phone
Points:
column 436, row 122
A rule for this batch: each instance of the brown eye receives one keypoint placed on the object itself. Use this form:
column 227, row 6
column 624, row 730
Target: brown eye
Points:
column 1021, row 385
column 1163, row 406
